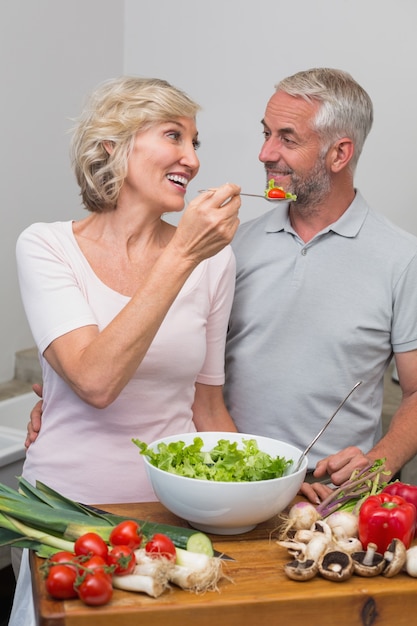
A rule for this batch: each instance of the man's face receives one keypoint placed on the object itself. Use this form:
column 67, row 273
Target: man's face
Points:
column 292, row 152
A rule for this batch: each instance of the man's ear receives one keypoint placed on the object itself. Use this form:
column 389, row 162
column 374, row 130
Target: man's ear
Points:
column 341, row 154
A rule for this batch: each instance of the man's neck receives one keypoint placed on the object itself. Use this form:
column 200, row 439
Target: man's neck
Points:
column 308, row 221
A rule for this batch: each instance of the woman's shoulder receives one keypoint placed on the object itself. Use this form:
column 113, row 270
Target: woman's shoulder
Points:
column 44, row 233
column 40, row 228
column 43, row 240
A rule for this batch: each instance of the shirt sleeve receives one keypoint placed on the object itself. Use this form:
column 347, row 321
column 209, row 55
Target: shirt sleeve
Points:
column 404, row 326
column 52, row 296
column 222, row 285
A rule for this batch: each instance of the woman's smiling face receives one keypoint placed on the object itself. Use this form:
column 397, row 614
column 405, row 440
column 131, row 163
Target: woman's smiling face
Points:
column 162, row 163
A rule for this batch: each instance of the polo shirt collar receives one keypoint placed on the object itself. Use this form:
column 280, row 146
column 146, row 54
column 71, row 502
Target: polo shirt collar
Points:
column 348, row 225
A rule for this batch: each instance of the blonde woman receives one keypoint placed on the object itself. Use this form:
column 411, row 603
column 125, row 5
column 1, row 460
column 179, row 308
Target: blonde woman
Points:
column 128, row 312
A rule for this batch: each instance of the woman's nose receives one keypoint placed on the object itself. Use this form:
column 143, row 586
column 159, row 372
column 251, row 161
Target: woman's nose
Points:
column 190, row 157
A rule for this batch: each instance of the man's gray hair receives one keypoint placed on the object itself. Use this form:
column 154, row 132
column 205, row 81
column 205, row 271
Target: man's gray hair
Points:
column 346, row 109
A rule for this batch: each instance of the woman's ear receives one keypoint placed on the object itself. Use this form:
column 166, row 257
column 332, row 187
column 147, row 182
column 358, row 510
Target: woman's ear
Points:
column 108, row 146
column 341, row 154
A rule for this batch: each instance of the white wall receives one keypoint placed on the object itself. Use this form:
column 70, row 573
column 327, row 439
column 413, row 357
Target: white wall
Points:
column 228, row 55
column 52, row 52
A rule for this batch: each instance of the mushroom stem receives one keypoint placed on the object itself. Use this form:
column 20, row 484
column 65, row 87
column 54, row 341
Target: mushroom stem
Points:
column 368, row 559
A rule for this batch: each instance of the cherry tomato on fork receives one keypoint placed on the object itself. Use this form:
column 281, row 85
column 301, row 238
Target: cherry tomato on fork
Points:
column 276, row 192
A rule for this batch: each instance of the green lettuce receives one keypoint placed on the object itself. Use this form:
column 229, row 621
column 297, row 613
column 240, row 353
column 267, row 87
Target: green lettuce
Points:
column 225, row 462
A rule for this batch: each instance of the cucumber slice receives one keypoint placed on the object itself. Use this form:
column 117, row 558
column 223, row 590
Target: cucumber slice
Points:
column 199, row 542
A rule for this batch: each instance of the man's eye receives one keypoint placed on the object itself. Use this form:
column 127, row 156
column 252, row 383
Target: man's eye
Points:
column 266, row 134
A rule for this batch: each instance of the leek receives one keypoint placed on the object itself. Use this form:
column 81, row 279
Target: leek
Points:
column 48, row 516
column 42, row 537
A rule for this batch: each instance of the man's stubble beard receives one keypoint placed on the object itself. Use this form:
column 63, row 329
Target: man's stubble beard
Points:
column 312, row 189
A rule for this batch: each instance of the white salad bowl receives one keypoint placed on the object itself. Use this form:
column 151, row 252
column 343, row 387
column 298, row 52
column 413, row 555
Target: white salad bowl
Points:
column 227, row 508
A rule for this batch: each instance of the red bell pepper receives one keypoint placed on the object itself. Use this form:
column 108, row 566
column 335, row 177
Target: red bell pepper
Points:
column 385, row 517
column 406, row 491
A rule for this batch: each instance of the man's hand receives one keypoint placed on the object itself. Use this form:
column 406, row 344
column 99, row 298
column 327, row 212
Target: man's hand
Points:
column 315, row 492
column 339, row 467
column 34, row 425
column 334, row 470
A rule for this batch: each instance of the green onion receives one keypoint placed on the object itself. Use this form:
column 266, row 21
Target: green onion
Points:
column 350, row 495
column 38, row 515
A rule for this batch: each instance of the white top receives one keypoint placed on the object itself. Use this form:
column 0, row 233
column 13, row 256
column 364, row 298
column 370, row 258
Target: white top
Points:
column 87, row 453
column 309, row 320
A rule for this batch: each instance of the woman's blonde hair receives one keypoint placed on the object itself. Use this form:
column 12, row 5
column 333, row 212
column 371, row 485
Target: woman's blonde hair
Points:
column 114, row 113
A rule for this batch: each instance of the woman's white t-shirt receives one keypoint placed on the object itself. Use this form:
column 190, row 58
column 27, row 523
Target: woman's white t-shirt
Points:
column 87, row 453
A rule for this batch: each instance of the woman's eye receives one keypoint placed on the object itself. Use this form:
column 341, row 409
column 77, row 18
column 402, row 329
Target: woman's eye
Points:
column 177, row 136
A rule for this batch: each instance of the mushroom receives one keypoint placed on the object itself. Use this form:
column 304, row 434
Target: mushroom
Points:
column 301, row 570
column 395, row 557
column 349, row 545
column 306, row 555
column 411, row 562
column 368, row 562
column 304, row 535
column 317, row 550
column 318, row 543
column 317, row 546
column 336, row 565
column 296, row 549
column 320, row 526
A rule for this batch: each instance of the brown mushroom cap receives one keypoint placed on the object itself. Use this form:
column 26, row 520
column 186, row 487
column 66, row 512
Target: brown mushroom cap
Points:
column 336, row 565
column 301, row 570
column 362, row 568
column 394, row 557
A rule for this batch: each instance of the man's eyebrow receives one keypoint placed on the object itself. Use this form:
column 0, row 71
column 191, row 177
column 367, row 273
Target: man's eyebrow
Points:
column 287, row 131
column 282, row 131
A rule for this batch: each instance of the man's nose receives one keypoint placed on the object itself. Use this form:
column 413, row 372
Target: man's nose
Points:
column 270, row 151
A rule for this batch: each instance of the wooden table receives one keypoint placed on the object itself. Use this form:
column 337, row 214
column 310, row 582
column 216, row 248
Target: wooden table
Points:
column 258, row 594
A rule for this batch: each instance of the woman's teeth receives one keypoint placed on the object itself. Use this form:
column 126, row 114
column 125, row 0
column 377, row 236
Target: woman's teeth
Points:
column 181, row 180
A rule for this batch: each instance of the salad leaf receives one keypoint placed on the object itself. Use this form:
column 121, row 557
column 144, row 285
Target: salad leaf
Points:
column 225, row 462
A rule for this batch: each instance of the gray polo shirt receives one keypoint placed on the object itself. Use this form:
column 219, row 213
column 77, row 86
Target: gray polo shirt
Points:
column 310, row 320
